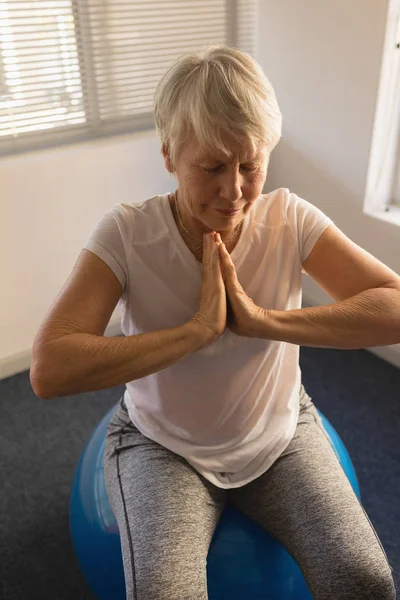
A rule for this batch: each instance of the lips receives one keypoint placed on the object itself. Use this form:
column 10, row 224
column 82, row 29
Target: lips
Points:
column 227, row 212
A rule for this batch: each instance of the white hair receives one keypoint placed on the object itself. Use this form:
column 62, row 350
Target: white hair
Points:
column 215, row 91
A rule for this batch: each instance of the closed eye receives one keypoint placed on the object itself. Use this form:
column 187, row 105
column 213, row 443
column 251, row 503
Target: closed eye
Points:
column 218, row 168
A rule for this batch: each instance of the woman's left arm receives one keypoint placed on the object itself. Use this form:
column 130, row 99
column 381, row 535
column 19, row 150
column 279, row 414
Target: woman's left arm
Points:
column 366, row 311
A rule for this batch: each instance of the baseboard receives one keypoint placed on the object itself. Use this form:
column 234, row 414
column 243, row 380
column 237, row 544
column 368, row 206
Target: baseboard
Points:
column 21, row 361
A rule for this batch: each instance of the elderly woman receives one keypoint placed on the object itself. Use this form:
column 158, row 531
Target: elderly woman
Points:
column 209, row 279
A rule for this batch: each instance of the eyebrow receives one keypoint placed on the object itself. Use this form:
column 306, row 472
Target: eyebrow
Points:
column 256, row 158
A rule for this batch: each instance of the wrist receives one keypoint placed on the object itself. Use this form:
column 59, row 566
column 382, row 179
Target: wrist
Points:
column 263, row 324
column 202, row 334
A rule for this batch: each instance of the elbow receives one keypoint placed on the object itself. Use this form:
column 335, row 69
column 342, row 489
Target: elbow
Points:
column 39, row 376
column 39, row 387
column 47, row 380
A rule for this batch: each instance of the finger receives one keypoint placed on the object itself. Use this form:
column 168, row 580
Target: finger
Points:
column 225, row 252
column 208, row 247
column 227, row 269
column 229, row 272
column 222, row 246
column 215, row 258
column 228, row 265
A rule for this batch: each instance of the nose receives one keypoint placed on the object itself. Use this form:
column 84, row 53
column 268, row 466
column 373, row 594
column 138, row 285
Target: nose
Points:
column 231, row 186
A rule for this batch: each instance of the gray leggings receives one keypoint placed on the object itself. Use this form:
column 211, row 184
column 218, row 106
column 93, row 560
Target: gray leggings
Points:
column 167, row 514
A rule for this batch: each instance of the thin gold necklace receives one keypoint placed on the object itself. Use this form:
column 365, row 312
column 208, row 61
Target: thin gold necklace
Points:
column 237, row 229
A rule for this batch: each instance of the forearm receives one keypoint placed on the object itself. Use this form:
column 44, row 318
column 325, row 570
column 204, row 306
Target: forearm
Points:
column 81, row 362
column 371, row 318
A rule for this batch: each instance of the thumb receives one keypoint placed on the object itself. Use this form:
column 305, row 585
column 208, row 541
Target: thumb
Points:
column 221, row 261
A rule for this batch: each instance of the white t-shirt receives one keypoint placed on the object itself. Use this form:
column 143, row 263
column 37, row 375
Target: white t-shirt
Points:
column 231, row 408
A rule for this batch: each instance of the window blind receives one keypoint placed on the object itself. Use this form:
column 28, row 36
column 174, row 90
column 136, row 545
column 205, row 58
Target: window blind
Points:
column 78, row 69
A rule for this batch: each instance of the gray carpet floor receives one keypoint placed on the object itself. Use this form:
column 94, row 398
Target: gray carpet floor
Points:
column 41, row 441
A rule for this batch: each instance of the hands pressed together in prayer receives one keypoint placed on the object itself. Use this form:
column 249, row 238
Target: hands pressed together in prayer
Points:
column 224, row 303
column 242, row 313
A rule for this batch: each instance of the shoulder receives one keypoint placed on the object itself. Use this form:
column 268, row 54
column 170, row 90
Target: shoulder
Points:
column 135, row 215
column 129, row 210
column 123, row 221
column 285, row 207
column 271, row 208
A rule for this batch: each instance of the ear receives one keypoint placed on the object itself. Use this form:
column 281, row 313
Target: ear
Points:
column 167, row 159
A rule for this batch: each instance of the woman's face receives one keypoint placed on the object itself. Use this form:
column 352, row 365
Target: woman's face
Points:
column 210, row 182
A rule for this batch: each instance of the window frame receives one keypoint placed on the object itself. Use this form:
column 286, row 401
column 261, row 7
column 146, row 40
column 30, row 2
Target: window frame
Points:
column 382, row 193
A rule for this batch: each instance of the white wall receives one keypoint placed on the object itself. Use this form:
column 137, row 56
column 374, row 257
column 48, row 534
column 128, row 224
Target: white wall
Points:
column 50, row 201
column 323, row 60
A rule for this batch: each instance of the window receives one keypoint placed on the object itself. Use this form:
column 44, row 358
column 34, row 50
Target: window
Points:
column 79, row 69
column 383, row 184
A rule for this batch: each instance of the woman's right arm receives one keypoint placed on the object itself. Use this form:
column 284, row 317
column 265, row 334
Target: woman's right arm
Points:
column 70, row 354
column 82, row 362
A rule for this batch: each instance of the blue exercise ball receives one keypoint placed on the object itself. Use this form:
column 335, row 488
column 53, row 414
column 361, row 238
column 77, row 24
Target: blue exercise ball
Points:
column 244, row 561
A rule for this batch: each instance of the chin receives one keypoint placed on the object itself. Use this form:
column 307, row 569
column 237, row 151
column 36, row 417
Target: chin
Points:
column 212, row 221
